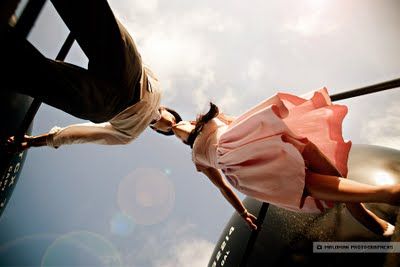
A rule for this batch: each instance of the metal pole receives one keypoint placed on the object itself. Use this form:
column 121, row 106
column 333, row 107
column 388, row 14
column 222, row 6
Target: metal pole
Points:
column 34, row 107
column 254, row 234
column 367, row 90
column 28, row 17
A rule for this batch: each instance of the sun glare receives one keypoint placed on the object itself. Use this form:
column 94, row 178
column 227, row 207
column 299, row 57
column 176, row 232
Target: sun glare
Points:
column 384, row 178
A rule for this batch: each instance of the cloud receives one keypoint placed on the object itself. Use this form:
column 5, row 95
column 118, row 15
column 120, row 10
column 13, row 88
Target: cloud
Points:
column 314, row 18
column 182, row 45
column 200, row 94
column 176, row 244
column 229, row 101
column 126, row 10
column 384, row 130
column 226, row 98
column 209, row 20
column 193, row 252
column 255, row 69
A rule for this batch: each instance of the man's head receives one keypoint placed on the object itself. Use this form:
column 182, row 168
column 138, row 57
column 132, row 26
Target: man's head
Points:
column 169, row 117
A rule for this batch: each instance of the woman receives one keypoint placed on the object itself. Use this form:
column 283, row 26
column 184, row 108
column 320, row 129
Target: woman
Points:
column 287, row 151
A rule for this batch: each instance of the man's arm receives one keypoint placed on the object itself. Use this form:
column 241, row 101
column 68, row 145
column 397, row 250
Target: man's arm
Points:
column 215, row 176
column 99, row 133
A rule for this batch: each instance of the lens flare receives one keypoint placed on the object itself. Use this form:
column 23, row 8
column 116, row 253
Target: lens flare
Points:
column 26, row 250
column 383, row 178
column 167, row 171
column 122, row 225
column 146, row 195
column 81, row 249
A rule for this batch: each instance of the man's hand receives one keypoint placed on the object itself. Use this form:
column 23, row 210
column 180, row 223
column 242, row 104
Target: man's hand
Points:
column 250, row 219
column 11, row 146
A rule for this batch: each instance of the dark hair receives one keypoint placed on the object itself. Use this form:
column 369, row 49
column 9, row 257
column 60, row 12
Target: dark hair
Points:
column 200, row 122
column 177, row 119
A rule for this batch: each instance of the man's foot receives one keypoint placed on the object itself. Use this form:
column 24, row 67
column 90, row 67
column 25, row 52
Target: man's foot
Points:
column 13, row 21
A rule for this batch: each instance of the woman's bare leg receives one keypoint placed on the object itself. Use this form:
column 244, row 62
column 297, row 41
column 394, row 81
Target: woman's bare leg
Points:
column 369, row 219
column 317, row 162
column 323, row 182
column 326, row 187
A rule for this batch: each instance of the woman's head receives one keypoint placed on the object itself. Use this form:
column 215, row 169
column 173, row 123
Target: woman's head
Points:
column 169, row 117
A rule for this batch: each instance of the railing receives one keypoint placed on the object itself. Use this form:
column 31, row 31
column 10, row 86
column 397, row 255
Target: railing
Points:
column 23, row 27
column 11, row 163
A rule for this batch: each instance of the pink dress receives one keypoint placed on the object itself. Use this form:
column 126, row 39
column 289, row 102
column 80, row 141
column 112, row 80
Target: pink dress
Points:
column 260, row 151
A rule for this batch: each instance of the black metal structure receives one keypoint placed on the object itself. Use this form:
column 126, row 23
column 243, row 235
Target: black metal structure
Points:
column 367, row 90
column 286, row 238
column 18, row 111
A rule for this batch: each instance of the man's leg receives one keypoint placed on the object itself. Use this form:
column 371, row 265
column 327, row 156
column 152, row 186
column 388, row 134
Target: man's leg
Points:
column 96, row 94
column 70, row 88
column 111, row 51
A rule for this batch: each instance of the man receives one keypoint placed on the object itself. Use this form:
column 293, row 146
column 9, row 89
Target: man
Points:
column 117, row 92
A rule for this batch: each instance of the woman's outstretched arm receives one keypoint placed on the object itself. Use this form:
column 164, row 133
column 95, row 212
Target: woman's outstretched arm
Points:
column 226, row 118
column 216, row 178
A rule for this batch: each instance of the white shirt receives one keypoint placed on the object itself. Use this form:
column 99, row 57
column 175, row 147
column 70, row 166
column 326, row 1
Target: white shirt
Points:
column 121, row 129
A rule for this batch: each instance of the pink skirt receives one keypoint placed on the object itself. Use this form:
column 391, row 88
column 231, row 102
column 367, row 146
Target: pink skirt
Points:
column 260, row 152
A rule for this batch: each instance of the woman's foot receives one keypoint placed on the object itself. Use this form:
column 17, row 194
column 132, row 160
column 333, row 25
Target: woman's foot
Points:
column 389, row 230
column 370, row 220
column 383, row 228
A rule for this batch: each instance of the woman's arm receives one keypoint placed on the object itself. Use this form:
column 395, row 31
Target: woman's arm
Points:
column 226, row 118
column 215, row 176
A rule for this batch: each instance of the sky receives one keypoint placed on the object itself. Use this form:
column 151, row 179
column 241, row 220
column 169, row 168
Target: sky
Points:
column 144, row 204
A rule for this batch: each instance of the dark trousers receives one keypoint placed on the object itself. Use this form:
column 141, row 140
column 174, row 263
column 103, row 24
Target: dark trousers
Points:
column 110, row 83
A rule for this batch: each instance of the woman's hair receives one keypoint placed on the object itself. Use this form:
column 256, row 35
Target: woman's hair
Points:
column 177, row 119
column 200, row 122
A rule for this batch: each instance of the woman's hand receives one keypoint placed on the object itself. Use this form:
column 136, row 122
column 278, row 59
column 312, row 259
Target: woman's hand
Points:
column 215, row 177
column 11, row 146
column 250, row 219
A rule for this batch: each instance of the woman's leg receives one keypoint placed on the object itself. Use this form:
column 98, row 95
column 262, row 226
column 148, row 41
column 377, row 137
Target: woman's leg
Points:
column 317, row 162
column 326, row 187
column 369, row 219
column 333, row 188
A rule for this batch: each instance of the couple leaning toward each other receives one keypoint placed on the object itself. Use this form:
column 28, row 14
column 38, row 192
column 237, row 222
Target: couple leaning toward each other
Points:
column 287, row 150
